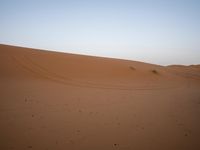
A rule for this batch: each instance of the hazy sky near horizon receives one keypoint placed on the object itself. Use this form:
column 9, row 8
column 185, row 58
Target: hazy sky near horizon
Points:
column 155, row 31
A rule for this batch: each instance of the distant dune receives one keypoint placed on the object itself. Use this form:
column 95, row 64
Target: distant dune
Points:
column 60, row 101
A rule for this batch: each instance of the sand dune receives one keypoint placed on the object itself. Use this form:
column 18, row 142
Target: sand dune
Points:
column 58, row 101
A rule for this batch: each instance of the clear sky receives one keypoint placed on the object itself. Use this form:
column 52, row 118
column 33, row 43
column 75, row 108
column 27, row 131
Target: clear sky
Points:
column 155, row 31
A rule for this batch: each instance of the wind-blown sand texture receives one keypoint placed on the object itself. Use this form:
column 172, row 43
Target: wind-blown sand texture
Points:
column 58, row 101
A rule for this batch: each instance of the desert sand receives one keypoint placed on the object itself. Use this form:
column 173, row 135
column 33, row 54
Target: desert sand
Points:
column 60, row 101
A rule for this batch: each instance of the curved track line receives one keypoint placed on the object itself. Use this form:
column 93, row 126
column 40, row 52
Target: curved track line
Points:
column 25, row 63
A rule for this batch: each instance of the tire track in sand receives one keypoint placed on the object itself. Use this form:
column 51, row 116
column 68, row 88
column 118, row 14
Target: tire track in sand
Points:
column 28, row 64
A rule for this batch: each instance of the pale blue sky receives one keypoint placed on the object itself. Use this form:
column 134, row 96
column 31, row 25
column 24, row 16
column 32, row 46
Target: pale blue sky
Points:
column 155, row 31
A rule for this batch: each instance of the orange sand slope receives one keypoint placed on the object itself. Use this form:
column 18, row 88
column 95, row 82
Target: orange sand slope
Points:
column 58, row 101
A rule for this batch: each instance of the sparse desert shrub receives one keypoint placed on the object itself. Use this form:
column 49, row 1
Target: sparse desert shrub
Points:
column 132, row 68
column 154, row 71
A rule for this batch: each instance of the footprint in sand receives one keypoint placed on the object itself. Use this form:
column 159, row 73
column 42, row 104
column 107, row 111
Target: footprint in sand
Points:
column 115, row 145
column 30, row 146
